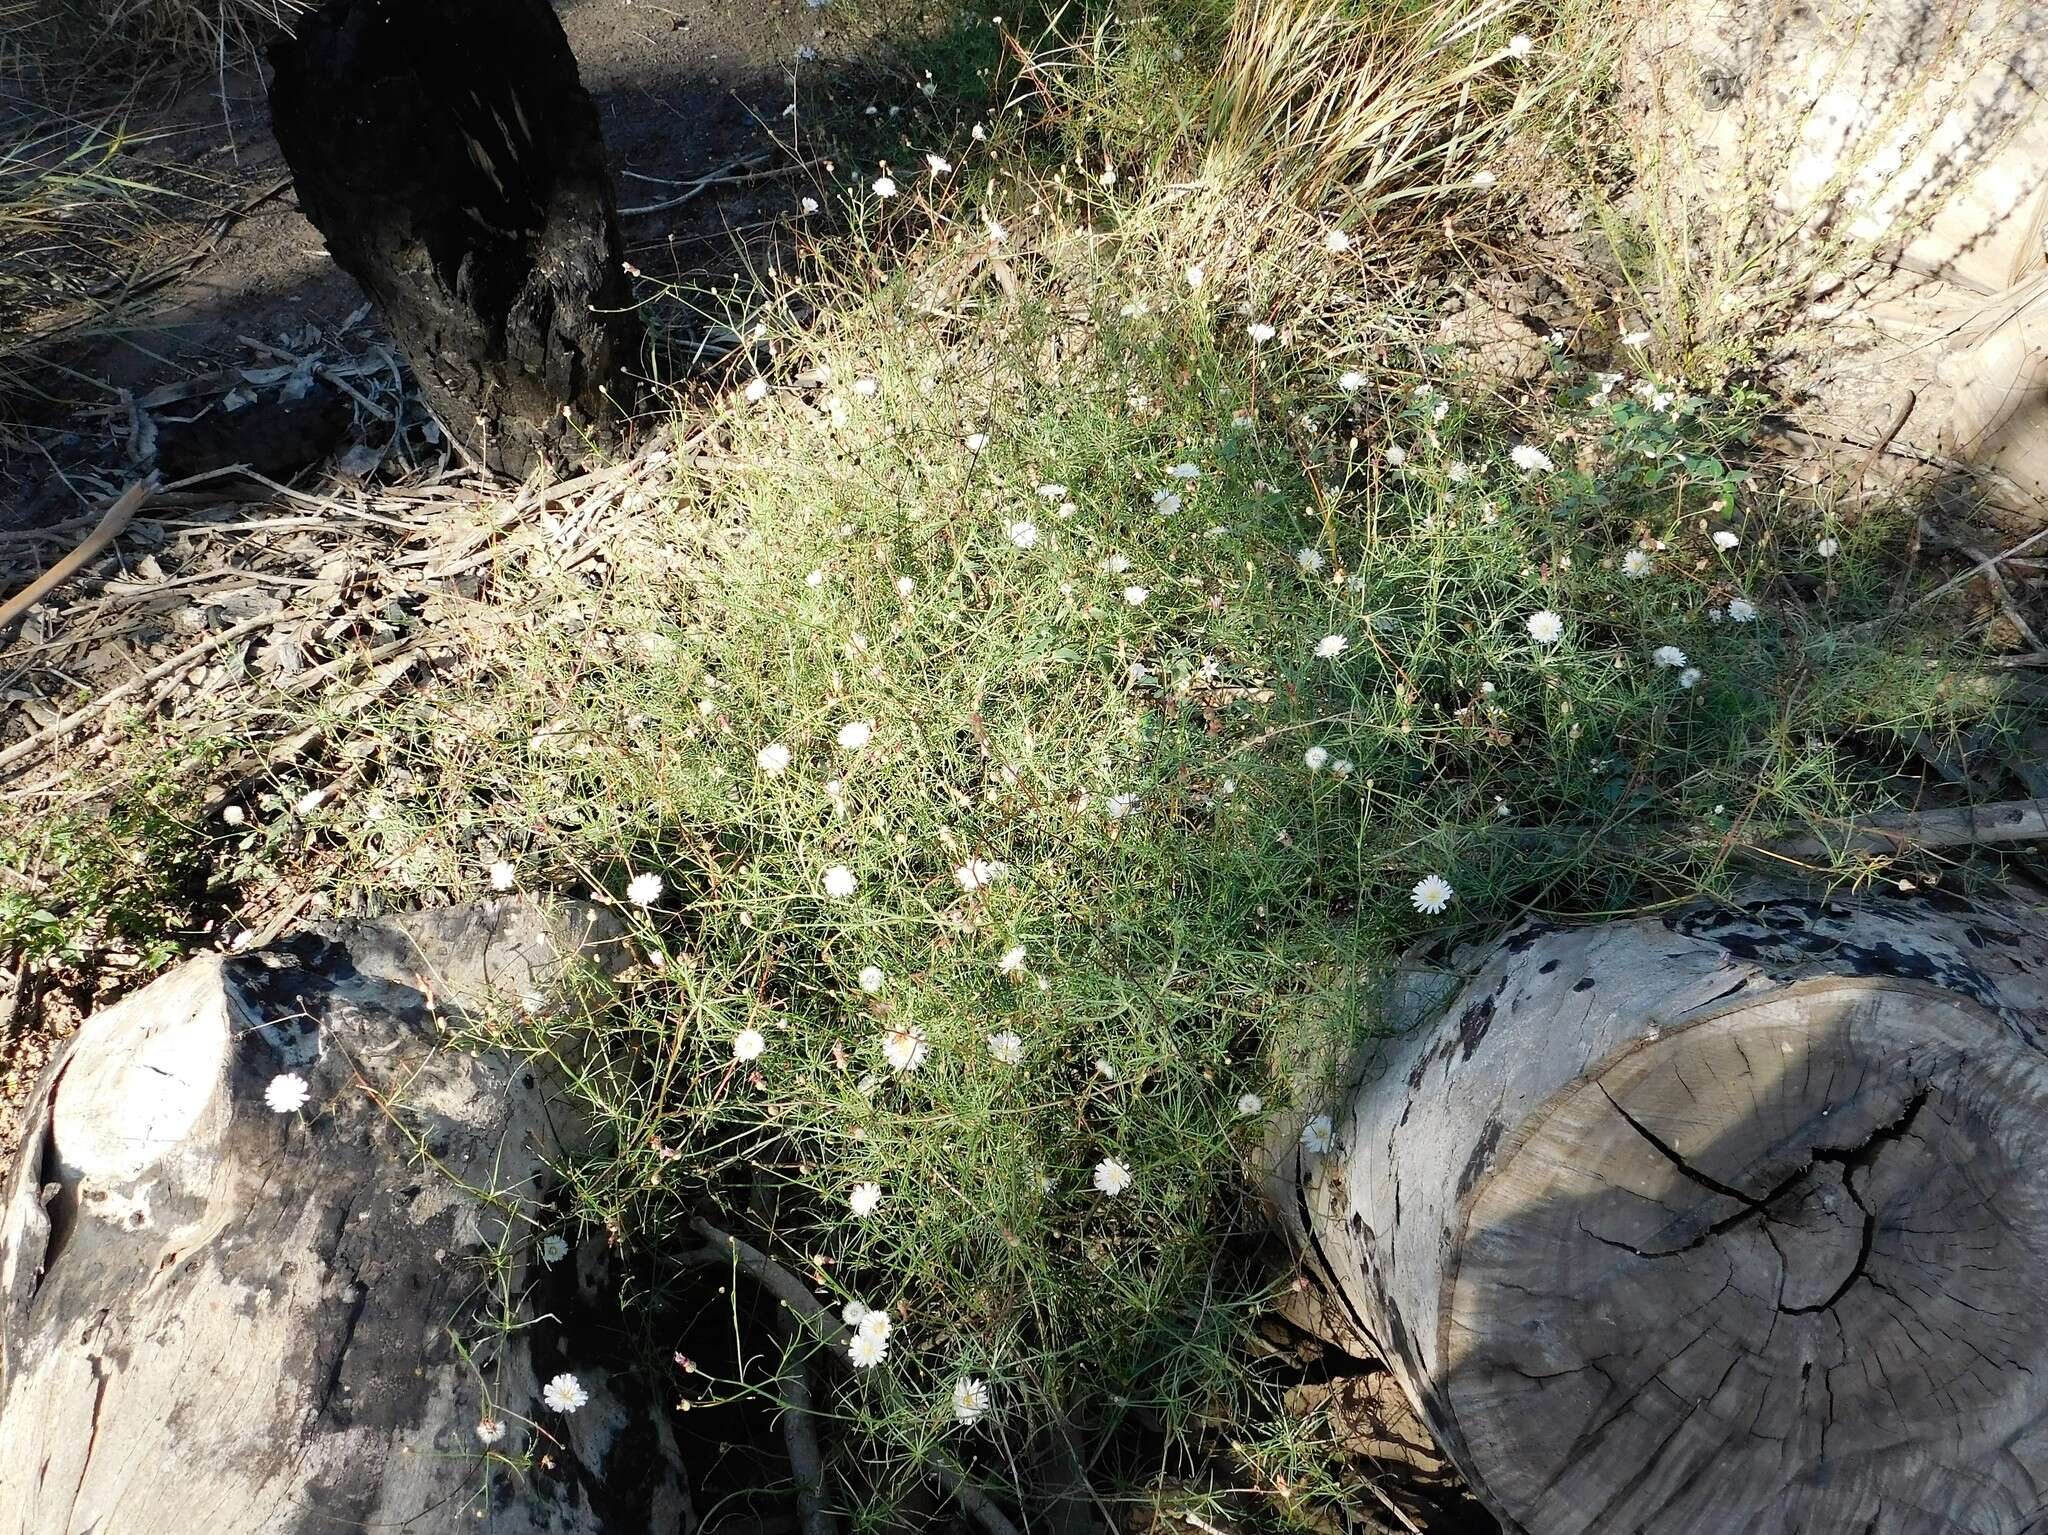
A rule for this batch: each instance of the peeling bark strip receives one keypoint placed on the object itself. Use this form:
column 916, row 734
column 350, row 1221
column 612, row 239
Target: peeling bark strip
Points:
column 1727, row 1223
column 218, row 1317
column 449, row 154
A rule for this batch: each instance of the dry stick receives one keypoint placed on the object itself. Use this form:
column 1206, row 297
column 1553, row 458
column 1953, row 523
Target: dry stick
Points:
column 2020, row 820
column 1907, row 400
column 723, row 176
column 800, row 1439
column 1983, row 565
column 2004, row 594
column 773, row 1277
column 110, row 526
column 178, row 662
column 797, row 1296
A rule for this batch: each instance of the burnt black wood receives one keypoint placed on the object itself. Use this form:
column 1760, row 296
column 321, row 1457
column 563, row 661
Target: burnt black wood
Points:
column 449, row 154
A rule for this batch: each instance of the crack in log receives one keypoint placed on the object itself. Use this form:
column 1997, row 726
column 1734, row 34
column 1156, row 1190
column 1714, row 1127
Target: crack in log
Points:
column 359, row 1300
column 1851, row 1159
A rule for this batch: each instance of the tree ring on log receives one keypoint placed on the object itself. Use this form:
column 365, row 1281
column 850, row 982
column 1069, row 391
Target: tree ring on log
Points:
column 1779, row 1266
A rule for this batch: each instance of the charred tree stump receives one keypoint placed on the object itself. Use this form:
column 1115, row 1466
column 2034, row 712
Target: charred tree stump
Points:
column 220, row 1317
column 449, row 154
column 1731, row 1223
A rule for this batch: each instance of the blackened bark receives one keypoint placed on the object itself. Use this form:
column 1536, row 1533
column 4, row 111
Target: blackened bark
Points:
column 449, row 154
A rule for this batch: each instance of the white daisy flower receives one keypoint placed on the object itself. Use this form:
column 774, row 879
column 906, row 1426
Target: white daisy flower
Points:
column 1724, row 540
column 1459, row 473
column 885, row 186
column 1023, row 534
column 1196, row 276
column 1006, row 1048
column 234, row 815
column 1112, row 1177
column 1432, row 893
column 1483, row 179
column 809, row 205
column 287, row 1093
column 1336, row 241
column 503, row 876
column 1012, row 959
column 905, row 586
column 1521, row 45
column 1183, row 472
column 938, row 165
column 1343, row 767
column 1309, row 559
column 772, row 759
column 1330, row 646
column 1530, row 458
column 979, row 874
column 1397, row 455
column 852, row 1312
column 864, row 1352
column 1260, row 331
column 1667, row 656
column 748, row 1044
column 855, row 734
column 905, row 1047
column 1635, row 563
column 1250, row 1103
column 564, row 1393
column 875, row 1323
column 756, row 390
column 1690, row 677
column 644, row 889
column 839, row 882
column 1165, row 502
column 1351, row 381
column 489, row 1430
column 970, row 1400
column 865, row 387
column 871, row 979
column 1316, row 758
column 1741, row 610
column 1316, row 1135
column 1545, row 627
column 1828, row 547
column 864, row 1199
column 554, row 1247
column 1117, row 806
column 1136, row 595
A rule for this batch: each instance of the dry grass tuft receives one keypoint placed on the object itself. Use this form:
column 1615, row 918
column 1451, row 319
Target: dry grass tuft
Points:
column 210, row 30
column 1387, row 105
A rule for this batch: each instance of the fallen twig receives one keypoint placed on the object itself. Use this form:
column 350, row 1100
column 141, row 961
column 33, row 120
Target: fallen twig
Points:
column 776, row 1279
column 975, row 1503
column 726, row 175
column 150, row 678
column 2020, row 820
column 117, row 517
column 800, row 1439
column 2004, row 594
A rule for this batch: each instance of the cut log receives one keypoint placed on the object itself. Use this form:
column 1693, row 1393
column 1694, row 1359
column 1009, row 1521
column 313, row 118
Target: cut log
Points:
column 449, row 154
column 217, row 1316
column 1725, row 1223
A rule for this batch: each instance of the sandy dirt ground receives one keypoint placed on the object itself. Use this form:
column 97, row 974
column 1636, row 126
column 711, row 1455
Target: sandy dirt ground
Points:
column 683, row 89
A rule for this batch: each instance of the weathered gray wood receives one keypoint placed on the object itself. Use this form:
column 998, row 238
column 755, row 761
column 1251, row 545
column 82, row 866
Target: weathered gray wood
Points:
column 216, row 1317
column 1729, row 1222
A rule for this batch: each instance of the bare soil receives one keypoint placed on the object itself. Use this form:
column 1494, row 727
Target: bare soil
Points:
column 228, row 265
